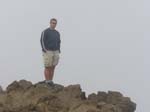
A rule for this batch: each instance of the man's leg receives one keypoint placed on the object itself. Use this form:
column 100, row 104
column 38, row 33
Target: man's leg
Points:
column 48, row 73
column 55, row 61
column 52, row 71
column 48, row 61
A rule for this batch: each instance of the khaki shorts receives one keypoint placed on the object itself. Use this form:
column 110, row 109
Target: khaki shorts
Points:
column 50, row 58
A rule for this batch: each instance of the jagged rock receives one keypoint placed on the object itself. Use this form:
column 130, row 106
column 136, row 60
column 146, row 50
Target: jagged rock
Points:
column 23, row 96
column 93, row 97
column 21, row 85
column 100, row 96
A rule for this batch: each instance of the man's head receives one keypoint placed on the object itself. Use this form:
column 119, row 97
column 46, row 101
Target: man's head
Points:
column 53, row 23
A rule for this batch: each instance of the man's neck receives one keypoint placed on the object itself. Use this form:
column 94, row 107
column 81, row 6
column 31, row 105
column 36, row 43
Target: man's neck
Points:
column 51, row 28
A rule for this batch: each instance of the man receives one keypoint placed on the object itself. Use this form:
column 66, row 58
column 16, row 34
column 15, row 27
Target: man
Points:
column 50, row 43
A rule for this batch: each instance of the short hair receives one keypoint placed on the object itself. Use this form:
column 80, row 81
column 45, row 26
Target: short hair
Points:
column 53, row 19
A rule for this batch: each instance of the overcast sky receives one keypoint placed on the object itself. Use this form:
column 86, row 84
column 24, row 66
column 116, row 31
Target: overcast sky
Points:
column 105, row 44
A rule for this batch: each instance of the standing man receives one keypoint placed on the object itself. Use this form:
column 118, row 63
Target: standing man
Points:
column 50, row 43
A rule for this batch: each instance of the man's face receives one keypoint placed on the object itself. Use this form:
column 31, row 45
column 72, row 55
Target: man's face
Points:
column 53, row 24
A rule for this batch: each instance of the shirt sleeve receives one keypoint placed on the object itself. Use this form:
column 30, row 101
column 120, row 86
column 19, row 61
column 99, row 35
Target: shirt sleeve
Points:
column 59, row 43
column 43, row 40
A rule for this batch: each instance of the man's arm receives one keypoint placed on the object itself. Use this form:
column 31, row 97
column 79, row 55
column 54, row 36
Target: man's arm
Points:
column 59, row 43
column 42, row 41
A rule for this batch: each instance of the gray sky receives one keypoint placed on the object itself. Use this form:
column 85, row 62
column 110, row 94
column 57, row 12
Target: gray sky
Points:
column 104, row 45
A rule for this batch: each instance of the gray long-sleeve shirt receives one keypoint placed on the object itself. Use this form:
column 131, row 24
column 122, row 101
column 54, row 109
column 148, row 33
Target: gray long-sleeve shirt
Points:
column 50, row 40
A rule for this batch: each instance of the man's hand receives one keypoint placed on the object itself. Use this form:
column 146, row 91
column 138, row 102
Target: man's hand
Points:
column 44, row 50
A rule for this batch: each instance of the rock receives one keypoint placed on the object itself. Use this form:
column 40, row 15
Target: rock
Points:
column 101, row 96
column 21, row 85
column 73, row 90
column 93, row 97
column 23, row 96
column 100, row 105
column 110, row 108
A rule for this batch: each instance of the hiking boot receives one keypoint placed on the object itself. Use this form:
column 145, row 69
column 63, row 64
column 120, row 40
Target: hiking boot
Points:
column 51, row 84
column 41, row 82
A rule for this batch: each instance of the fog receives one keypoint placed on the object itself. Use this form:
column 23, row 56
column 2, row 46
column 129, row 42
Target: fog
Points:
column 104, row 44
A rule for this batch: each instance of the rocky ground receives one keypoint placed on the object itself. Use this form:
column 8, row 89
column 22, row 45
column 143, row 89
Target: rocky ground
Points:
column 23, row 96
